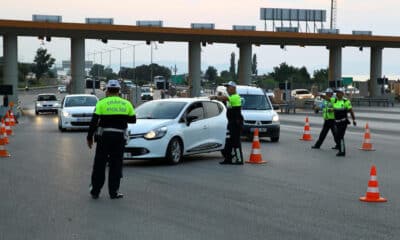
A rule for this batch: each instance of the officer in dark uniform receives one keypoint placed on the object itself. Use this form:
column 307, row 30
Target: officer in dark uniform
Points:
column 110, row 121
column 329, row 120
column 341, row 108
column 233, row 148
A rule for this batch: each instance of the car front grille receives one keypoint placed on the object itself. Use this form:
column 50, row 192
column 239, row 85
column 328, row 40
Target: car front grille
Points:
column 80, row 123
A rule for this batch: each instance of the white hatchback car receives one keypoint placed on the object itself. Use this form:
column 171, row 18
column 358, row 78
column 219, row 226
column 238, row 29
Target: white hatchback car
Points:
column 76, row 111
column 176, row 127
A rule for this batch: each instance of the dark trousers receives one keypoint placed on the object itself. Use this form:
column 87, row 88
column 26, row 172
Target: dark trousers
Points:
column 340, row 131
column 329, row 124
column 233, row 146
column 109, row 149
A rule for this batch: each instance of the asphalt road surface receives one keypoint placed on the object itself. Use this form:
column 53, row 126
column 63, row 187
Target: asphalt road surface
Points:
column 299, row 193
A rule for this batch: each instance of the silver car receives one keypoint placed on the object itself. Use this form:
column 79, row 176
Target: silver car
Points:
column 46, row 102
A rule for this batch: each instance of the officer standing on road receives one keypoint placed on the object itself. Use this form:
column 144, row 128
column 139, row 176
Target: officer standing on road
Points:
column 233, row 148
column 110, row 121
column 341, row 108
column 329, row 120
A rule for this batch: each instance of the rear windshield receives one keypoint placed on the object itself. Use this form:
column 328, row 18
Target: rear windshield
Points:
column 302, row 92
column 80, row 101
column 47, row 98
column 255, row 102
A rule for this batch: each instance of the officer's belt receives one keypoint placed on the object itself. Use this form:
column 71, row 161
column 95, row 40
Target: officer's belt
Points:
column 113, row 130
column 341, row 120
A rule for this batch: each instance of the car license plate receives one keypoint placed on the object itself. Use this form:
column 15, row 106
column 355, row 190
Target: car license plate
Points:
column 259, row 129
column 127, row 155
column 82, row 120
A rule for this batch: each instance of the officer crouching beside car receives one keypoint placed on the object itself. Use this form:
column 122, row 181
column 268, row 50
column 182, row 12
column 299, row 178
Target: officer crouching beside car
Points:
column 233, row 148
column 110, row 121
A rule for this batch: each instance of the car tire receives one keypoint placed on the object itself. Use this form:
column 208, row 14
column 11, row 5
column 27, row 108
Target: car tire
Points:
column 274, row 139
column 60, row 126
column 174, row 151
column 36, row 112
column 316, row 110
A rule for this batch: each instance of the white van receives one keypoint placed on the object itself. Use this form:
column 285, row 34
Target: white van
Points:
column 257, row 112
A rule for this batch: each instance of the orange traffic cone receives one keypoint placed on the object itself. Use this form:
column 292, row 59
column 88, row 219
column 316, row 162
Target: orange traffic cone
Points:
column 8, row 124
column 3, row 132
column 372, row 194
column 367, row 145
column 255, row 156
column 306, row 132
column 12, row 118
column 3, row 151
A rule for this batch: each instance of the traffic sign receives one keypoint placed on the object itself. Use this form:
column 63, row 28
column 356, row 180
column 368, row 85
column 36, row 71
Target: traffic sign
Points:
column 347, row 80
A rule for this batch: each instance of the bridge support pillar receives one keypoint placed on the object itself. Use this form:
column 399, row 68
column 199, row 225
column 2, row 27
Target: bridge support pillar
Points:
column 77, row 65
column 194, row 68
column 10, row 51
column 335, row 64
column 375, row 72
column 244, row 68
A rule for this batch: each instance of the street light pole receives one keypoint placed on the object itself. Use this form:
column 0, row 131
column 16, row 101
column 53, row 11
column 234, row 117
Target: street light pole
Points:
column 120, row 54
column 133, row 67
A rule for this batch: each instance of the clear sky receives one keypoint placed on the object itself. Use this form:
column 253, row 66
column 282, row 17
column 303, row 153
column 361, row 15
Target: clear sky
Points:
column 380, row 17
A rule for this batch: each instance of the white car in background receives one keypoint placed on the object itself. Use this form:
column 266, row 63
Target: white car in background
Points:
column 302, row 94
column 176, row 127
column 76, row 111
column 46, row 102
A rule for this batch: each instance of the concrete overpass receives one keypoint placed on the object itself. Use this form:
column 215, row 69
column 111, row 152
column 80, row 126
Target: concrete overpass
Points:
column 78, row 32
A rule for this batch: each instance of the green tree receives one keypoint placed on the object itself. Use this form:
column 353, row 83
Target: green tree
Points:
column 211, row 74
column 232, row 67
column 109, row 74
column 254, row 70
column 97, row 70
column 321, row 78
column 43, row 63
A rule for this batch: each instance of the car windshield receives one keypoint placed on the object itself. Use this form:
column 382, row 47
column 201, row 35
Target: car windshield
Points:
column 255, row 102
column 159, row 110
column 80, row 101
column 47, row 98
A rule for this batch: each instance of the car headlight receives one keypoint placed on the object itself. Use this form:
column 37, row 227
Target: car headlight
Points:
column 156, row 133
column 56, row 104
column 66, row 114
column 275, row 118
column 38, row 105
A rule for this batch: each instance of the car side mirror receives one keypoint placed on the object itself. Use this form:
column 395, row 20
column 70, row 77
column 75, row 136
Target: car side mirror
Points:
column 190, row 119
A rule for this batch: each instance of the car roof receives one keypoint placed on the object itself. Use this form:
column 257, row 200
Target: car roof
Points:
column 80, row 95
column 188, row 100
column 45, row 94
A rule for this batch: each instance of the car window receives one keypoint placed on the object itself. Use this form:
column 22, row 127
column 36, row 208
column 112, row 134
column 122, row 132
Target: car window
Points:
column 159, row 110
column 255, row 102
column 212, row 109
column 80, row 101
column 196, row 110
column 47, row 98
column 302, row 92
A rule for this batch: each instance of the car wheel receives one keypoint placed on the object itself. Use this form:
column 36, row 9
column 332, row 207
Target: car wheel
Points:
column 274, row 139
column 174, row 151
column 316, row 110
column 36, row 112
column 60, row 126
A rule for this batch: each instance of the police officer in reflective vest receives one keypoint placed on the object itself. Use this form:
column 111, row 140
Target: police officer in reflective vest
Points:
column 329, row 120
column 341, row 108
column 110, row 121
column 233, row 148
